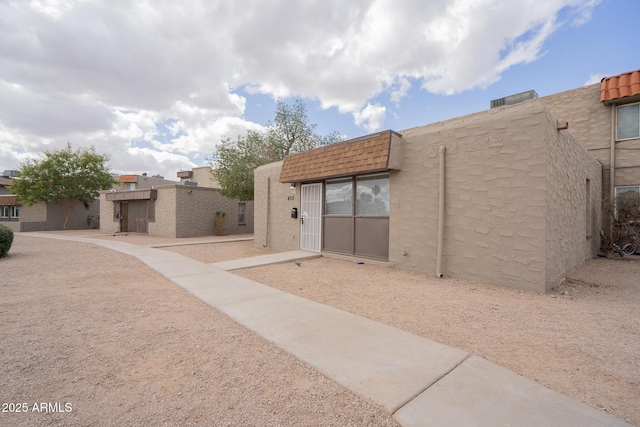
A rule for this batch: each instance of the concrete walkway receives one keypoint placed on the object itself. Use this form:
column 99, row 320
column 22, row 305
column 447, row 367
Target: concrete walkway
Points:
column 419, row 381
column 256, row 261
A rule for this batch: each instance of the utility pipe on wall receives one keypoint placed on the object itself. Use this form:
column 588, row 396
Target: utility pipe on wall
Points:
column 440, row 213
column 266, row 237
column 612, row 161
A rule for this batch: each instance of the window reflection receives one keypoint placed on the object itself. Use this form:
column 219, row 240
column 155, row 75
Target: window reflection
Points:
column 373, row 196
column 338, row 197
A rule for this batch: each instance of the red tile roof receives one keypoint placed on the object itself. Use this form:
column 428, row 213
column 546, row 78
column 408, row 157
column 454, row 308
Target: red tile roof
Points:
column 366, row 154
column 621, row 86
column 128, row 178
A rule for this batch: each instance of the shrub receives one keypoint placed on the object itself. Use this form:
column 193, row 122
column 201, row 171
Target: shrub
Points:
column 6, row 238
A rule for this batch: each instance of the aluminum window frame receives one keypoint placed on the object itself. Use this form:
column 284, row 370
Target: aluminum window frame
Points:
column 620, row 107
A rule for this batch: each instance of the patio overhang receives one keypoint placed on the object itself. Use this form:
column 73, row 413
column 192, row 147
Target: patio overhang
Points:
column 378, row 152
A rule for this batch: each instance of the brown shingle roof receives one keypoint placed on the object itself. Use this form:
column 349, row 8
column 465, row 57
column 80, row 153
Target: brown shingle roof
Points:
column 365, row 154
column 9, row 200
column 620, row 86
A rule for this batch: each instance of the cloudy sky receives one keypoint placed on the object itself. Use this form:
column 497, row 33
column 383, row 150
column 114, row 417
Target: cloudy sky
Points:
column 156, row 84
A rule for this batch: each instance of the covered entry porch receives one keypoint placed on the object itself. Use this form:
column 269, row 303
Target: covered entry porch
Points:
column 133, row 209
column 344, row 195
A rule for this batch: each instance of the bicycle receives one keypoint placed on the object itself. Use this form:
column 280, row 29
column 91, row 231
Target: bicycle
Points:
column 628, row 248
column 628, row 245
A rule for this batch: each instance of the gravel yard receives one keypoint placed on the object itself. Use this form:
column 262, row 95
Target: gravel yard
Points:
column 95, row 329
column 102, row 340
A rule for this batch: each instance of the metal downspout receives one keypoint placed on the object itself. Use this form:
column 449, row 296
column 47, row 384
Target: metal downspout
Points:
column 612, row 161
column 440, row 213
column 266, row 237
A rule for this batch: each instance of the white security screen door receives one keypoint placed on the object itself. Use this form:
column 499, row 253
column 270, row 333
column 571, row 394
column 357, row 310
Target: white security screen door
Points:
column 311, row 217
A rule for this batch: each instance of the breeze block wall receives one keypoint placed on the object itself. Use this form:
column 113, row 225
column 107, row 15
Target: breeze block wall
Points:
column 496, row 229
column 273, row 226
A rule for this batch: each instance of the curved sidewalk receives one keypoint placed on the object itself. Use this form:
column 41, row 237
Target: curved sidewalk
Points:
column 419, row 381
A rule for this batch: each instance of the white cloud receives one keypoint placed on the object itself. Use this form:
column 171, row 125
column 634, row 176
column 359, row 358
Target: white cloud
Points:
column 595, row 78
column 370, row 117
column 166, row 73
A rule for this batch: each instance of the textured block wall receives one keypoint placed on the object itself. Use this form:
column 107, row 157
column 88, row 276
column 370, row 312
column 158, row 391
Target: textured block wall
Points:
column 273, row 226
column 589, row 119
column 590, row 122
column 165, row 212
column 573, row 222
column 495, row 203
column 33, row 213
column 196, row 208
column 108, row 224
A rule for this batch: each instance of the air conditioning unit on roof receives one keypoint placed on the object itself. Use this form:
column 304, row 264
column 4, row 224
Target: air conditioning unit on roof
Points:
column 514, row 99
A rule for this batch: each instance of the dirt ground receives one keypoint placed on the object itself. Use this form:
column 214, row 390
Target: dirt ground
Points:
column 83, row 325
column 91, row 337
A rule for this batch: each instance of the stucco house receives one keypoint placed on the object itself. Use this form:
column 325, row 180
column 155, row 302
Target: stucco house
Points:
column 511, row 196
column 605, row 119
column 173, row 209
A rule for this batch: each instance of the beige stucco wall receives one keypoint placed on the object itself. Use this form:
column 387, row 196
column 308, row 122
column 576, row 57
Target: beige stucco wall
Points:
column 572, row 233
column 515, row 199
column 33, row 213
column 203, row 176
column 590, row 122
column 515, row 204
column 185, row 211
column 42, row 216
column 273, row 226
column 108, row 224
column 78, row 220
column 143, row 182
column 196, row 209
column 165, row 212
column 495, row 192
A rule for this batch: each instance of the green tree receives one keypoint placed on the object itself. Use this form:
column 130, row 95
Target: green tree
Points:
column 63, row 176
column 234, row 161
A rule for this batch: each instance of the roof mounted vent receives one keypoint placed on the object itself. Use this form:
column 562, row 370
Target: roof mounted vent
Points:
column 514, row 99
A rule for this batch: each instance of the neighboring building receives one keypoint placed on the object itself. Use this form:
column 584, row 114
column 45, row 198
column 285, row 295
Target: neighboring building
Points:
column 138, row 182
column 171, row 209
column 200, row 177
column 520, row 207
column 9, row 205
column 40, row 216
column 605, row 119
